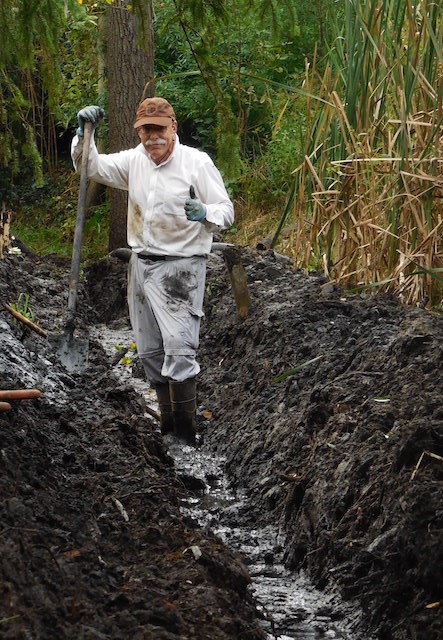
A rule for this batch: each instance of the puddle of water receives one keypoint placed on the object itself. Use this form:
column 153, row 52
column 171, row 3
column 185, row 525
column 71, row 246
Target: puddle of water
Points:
column 290, row 607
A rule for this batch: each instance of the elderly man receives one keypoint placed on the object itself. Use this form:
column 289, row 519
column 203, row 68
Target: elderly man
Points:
column 176, row 200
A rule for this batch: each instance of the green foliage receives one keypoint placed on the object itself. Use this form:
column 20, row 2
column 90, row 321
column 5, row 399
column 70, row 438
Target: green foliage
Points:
column 227, row 107
column 44, row 218
column 23, row 307
column 295, row 370
column 79, row 52
column 222, row 63
column 30, row 83
column 368, row 181
column 269, row 176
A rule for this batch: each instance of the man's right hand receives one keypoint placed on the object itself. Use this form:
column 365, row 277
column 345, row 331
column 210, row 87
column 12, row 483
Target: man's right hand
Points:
column 90, row 114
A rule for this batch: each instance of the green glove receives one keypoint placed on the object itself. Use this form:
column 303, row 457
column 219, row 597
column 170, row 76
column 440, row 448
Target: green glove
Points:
column 90, row 114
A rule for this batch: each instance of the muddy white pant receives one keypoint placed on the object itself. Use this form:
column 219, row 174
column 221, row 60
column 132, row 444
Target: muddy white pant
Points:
column 165, row 300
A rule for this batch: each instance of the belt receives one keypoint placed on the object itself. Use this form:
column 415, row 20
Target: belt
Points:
column 148, row 256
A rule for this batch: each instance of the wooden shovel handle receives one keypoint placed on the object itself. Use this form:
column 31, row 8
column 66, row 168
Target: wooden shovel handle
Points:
column 5, row 406
column 19, row 394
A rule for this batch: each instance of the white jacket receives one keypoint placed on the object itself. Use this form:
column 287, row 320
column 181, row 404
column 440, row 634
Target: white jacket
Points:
column 157, row 223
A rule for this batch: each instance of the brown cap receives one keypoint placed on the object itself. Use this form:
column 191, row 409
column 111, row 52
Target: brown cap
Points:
column 154, row 111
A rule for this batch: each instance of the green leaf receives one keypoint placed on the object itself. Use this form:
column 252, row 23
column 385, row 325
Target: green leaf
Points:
column 291, row 372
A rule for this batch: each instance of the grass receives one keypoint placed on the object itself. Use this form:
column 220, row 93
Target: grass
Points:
column 44, row 220
column 42, row 241
column 50, row 239
column 23, row 307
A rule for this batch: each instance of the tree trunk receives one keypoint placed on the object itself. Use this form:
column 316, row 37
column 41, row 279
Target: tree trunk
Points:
column 130, row 61
column 96, row 193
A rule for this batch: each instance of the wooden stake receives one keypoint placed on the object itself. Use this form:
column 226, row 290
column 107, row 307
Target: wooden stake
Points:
column 237, row 276
column 19, row 394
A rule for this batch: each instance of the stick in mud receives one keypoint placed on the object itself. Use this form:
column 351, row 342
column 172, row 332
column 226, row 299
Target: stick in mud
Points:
column 21, row 318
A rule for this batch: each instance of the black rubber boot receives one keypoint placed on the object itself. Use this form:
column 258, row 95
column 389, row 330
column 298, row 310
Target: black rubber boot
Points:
column 184, row 407
column 165, row 406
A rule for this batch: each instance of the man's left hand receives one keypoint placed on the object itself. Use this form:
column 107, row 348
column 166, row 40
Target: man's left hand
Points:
column 195, row 210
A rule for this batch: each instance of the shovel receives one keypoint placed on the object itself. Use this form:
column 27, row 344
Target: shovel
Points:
column 73, row 352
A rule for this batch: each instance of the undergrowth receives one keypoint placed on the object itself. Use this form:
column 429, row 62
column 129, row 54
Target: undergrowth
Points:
column 44, row 218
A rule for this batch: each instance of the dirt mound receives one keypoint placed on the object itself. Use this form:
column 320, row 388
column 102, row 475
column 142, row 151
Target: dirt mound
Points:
column 328, row 408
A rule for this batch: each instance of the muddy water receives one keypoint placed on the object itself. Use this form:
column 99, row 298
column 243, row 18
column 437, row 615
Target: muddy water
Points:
column 289, row 606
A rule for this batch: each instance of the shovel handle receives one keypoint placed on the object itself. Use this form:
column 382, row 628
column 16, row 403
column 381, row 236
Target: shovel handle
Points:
column 79, row 223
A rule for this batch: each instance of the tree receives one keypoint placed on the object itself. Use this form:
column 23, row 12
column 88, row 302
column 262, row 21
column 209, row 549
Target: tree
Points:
column 130, row 68
column 229, row 43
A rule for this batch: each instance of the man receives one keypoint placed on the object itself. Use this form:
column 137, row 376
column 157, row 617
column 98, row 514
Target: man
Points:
column 176, row 199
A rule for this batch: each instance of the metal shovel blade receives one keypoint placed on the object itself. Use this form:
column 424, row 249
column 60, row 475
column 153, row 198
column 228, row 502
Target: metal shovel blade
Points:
column 71, row 352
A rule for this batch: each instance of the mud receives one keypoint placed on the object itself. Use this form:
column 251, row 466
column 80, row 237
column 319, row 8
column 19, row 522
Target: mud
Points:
column 328, row 409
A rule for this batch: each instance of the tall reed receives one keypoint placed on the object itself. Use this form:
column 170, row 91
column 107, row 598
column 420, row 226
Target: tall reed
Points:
column 368, row 195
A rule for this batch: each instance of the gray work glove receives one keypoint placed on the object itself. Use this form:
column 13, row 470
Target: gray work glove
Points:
column 90, row 114
column 194, row 209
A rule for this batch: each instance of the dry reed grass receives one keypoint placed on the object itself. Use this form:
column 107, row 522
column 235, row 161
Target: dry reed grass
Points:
column 369, row 194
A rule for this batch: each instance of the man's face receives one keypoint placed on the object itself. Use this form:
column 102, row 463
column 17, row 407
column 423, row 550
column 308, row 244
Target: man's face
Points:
column 158, row 141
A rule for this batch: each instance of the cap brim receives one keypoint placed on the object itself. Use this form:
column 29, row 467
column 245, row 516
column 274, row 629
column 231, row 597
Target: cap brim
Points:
column 160, row 121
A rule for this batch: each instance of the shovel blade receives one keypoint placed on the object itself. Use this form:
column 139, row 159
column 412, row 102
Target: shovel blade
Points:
column 72, row 352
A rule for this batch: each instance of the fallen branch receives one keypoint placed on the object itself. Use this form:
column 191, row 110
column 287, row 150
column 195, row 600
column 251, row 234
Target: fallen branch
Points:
column 26, row 321
column 152, row 413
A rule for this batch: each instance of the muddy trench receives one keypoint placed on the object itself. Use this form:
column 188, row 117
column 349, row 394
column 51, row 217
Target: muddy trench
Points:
column 288, row 606
column 311, row 509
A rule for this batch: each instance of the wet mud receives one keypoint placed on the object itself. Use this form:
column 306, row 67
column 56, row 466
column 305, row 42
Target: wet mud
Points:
column 327, row 409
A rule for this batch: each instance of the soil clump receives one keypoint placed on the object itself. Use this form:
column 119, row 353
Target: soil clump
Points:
column 328, row 408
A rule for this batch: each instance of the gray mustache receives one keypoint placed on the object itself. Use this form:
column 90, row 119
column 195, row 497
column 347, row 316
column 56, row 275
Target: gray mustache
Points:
column 149, row 143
